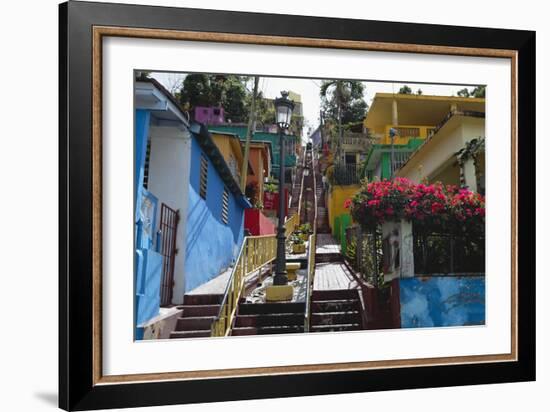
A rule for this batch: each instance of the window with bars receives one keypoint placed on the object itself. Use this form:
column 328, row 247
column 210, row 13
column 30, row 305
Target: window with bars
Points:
column 203, row 182
column 146, row 165
column 225, row 206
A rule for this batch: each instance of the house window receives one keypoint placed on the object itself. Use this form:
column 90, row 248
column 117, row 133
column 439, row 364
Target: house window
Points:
column 146, row 165
column 203, row 177
column 225, row 207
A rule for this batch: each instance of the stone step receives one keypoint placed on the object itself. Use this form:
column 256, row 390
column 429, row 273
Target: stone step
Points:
column 277, row 319
column 335, row 328
column 271, row 308
column 319, row 295
column 267, row 330
column 199, row 310
column 190, row 334
column 195, row 323
column 336, row 318
column 337, row 305
column 208, row 299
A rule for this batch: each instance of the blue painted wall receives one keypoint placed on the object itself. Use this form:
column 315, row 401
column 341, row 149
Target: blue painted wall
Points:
column 211, row 244
column 442, row 301
column 148, row 263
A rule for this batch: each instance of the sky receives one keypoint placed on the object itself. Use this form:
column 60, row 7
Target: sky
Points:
column 308, row 89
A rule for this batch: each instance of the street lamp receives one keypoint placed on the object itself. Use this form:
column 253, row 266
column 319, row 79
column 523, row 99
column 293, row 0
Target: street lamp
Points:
column 283, row 111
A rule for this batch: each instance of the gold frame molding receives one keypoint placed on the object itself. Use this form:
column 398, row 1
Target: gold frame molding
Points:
column 103, row 31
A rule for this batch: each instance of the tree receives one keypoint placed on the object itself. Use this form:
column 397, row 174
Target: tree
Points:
column 419, row 92
column 228, row 91
column 405, row 90
column 478, row 91
column 463, row 93
column 343, row 102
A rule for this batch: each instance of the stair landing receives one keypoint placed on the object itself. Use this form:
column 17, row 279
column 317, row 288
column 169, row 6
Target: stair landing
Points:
column 333, row 276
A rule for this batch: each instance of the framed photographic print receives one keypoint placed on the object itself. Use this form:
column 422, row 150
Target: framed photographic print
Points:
column 258, row 205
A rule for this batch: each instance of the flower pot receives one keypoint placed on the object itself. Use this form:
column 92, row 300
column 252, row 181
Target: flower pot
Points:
column 298, row 248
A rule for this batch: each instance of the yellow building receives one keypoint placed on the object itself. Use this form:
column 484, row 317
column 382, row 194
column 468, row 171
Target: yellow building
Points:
column 445, row 133
column 453, row 155
column 408, row 120
column 232, row 152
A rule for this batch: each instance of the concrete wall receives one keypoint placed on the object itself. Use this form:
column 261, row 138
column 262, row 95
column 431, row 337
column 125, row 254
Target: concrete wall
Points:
column 169, row 169
column 211, row 244
column 442, row 301
column 336, row 199
column 443, row 145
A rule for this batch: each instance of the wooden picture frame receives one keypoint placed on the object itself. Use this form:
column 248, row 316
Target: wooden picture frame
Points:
column 82, row 27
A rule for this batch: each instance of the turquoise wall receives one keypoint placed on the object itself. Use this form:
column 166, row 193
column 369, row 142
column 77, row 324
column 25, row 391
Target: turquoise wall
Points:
column 211, row 245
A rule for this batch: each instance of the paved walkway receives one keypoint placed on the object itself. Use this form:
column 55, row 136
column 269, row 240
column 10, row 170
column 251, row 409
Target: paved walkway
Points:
column 333, row 275
column 217, row 285
column 326, row 244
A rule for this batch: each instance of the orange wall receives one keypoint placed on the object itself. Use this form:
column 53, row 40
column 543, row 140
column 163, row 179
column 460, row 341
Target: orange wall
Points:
column 256, row 160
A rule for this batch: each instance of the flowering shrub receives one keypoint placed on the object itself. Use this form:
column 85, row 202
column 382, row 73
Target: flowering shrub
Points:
column 432, row 208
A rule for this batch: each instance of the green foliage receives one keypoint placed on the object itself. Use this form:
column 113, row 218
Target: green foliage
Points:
column 351, row 253
column 463, row 93
column 405, row 90
column 478, row 91
column 296, row 239
column 349, row 93
column 271, row 186
column 228, row 91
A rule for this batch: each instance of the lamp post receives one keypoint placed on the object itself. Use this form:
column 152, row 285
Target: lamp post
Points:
column 283, row 110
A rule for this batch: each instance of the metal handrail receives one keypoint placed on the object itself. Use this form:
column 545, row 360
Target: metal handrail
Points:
column 302, row 184
column 255, row 252
column 291, row 224
column 312, row 248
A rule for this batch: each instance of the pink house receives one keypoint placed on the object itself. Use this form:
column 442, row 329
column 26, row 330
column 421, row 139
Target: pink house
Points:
column 209, row 115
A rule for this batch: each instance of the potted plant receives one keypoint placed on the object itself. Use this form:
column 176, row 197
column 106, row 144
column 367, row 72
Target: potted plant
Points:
column 298, row 245
column 304, row 231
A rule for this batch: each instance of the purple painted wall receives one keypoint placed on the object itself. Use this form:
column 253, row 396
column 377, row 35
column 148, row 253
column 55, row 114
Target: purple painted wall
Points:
column 209, row 115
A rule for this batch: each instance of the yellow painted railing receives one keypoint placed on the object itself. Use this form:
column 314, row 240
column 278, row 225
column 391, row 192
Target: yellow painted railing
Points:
column 291, row 224
column 255, row 252
column 310, row 277
column 405, row 133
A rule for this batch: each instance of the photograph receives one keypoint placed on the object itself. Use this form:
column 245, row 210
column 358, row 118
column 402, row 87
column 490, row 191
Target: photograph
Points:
column 257, row 205
column 271, row 205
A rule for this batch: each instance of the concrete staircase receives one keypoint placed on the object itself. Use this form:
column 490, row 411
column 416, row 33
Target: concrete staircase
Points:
column 199, row 311
column 269, row 318
column 335, row 310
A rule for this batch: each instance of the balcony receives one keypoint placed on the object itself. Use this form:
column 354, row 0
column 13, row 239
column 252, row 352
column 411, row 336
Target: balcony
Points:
column 406, row 133
column 351, row 142
column 349, row 174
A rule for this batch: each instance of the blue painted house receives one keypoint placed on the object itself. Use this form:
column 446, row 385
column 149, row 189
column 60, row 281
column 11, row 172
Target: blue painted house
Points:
column 189, row 210
column 215, row 220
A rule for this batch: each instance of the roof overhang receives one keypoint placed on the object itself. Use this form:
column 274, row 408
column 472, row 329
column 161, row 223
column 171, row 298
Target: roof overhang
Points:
column 151, row 96
column 416, row 109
